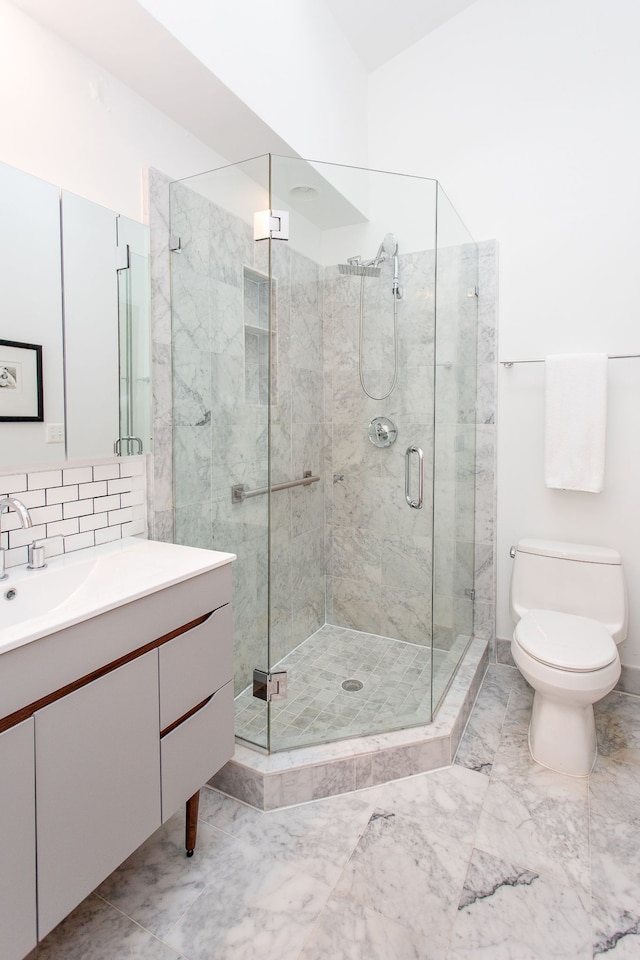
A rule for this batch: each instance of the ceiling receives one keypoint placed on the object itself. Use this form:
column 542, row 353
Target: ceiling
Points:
column 379, row 30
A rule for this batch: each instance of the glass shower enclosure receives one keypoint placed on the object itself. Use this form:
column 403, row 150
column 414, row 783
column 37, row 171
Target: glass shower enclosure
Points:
column 324, row 324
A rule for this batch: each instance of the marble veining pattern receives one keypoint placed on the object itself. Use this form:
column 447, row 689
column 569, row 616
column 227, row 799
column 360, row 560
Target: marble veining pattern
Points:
column 401, row 871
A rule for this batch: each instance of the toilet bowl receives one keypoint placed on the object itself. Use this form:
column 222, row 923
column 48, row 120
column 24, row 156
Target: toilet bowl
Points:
column 569, row 603
column 571, row 662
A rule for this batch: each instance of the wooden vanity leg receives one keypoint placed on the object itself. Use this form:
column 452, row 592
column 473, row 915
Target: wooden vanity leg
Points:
column 192, row 823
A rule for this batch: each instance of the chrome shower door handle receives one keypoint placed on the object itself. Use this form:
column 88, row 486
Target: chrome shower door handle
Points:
column 415, row 504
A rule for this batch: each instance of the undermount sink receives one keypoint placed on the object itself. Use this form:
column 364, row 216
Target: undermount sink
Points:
column 84, row 584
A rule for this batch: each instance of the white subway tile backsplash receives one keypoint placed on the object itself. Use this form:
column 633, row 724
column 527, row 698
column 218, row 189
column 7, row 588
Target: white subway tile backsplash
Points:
column 92, row 489
column 93, row 522
column 53, row 546
column 22, row 538
column 44, row 478
column 132, row 467
column 78, row 542
column 10, row 520
column 31, row 498
column 120, row 516
column 14, row 558
column 62, row 494
column 46, row 514
column 75, row 507
column 106, row 471
column 132, row 499
column 15, row 483
column 119, row 486
column 107, row 534
column 63, row 528
column 106, row 503
column 134, row 528
column 77, row 475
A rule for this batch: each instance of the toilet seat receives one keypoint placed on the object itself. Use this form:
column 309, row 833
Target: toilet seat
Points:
column 565, row 641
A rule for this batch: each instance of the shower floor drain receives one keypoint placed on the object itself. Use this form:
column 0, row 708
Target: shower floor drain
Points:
column 352, row 685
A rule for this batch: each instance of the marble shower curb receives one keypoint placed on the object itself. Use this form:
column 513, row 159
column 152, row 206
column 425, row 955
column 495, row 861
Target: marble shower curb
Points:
column 296, row 776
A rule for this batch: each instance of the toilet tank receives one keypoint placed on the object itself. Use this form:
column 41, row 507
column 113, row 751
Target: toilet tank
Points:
column 570, row 578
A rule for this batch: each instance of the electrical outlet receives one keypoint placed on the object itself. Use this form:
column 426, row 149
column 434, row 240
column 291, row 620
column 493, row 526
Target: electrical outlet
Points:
column 55, row 433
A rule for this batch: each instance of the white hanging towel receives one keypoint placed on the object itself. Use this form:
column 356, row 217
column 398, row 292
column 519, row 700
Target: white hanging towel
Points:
column 576, row 420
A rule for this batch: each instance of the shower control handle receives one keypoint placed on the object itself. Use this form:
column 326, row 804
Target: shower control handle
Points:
column 415, row 504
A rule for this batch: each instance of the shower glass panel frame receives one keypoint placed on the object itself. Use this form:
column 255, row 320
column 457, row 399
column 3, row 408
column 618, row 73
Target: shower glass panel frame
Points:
column 363, row 600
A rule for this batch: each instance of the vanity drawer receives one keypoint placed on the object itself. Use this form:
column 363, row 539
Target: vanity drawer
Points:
column 196, row 749
column 195, row 665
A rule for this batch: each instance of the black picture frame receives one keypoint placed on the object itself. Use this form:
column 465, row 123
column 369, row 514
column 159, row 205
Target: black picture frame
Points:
column 21, row 390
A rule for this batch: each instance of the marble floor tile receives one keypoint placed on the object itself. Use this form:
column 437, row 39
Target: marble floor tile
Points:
column 616, row 932
column 614, row 790
column 159, row 882
column 314, row 838
column 449, row 800
column 346, row 930
column 408, row 874
column 512, row 863
column 482, row 735
column 615, row 862
column 226, row 813
column 509, row 912
column 618, row 727
column 97, row 931
column 540, row 819
column 255, row 907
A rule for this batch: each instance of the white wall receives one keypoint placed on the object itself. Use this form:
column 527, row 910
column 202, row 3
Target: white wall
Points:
column 528, row 114
column 288, row 61
column 68, row 121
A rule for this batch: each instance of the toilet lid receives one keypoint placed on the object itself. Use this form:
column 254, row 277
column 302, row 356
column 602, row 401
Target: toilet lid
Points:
column 565, row 641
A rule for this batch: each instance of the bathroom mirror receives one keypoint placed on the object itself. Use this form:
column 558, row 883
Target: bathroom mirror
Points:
column 75, row 281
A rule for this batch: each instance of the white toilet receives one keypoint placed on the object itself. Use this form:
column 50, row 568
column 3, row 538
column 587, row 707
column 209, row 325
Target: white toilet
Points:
column 569, row 602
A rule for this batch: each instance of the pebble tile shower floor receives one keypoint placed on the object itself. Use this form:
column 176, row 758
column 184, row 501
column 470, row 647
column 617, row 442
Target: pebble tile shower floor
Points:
column 493, row 857
column 396, row 689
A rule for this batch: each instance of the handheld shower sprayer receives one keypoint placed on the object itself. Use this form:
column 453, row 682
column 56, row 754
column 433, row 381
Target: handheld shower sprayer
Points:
column 389, row 248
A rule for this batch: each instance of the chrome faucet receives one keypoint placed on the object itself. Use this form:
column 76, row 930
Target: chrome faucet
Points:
column 12, row 503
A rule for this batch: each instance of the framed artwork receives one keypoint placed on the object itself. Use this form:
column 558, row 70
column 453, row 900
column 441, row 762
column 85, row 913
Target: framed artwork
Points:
column 21, row 397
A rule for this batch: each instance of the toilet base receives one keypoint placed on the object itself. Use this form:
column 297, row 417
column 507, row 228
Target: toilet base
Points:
column 562, row 736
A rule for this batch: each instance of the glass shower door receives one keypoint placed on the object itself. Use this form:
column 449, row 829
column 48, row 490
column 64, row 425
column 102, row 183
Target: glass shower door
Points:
column 220, row 333
column 455, row 444
column 350, row 559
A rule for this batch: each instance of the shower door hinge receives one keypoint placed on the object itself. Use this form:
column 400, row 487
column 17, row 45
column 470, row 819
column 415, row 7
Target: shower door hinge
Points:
column 122, row 257
column 175, row 244
column 270, row 686
column 271, row 225
column 471, row 594
column 473, row 292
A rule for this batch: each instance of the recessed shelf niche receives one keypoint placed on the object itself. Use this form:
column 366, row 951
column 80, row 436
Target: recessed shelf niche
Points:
column 256, row 338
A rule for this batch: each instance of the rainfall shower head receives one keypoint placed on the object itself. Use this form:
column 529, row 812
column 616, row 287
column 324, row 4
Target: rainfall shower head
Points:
column 359, row 269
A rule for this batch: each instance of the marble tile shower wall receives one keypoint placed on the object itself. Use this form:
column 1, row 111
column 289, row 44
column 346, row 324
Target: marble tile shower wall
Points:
column 485, row 478
column 454, row 463
column 160, row 466
column 378, row 549
column 354, row 572
column 221, row 433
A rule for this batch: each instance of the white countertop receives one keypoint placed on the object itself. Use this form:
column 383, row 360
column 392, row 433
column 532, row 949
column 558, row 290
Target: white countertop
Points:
column 80, row 585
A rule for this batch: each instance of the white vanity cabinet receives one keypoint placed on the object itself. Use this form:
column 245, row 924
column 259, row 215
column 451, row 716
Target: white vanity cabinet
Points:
column 196, row 707
column 97, row 774
column 107, row 726
column 17, row 842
